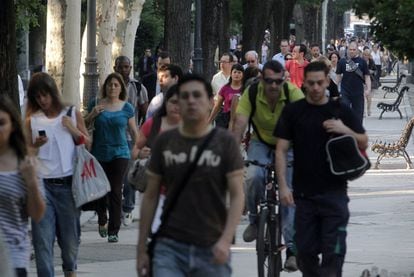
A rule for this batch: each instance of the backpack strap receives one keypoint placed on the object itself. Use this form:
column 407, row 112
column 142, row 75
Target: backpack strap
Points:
column 138, row 87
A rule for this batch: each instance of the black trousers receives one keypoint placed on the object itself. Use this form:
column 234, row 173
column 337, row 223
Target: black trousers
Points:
column 115, row 171
column 320, row 223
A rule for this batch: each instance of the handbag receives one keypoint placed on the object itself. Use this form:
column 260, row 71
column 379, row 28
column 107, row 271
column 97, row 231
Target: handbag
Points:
column 137, row 177
column 89, row 181
column 345, row 158
column 174, row 196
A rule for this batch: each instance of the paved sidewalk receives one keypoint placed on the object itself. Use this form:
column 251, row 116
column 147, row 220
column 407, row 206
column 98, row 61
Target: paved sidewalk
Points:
column 380, row 231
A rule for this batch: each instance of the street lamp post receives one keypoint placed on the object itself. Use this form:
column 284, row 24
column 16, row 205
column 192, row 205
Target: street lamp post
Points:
column 198, row 58
column 91, row 76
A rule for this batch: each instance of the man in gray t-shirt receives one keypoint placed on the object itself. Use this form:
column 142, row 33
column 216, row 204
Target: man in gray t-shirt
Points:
column 198, row 226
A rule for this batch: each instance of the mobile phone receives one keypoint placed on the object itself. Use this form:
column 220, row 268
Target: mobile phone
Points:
column 42, row 133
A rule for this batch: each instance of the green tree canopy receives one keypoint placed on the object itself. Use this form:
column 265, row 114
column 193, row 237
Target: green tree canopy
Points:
column 392, row 23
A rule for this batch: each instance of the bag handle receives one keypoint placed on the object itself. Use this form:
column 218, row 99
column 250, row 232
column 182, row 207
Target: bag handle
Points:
column 183, row 183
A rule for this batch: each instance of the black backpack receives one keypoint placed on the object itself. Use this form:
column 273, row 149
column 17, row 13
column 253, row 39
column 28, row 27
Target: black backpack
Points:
column 252, row 98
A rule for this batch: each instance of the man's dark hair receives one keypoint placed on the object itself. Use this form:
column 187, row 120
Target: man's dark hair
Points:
column 314, row 45
column 228, row 55
column 275, row 66
column 302, row 49
column 174, row 70
column 194, row 77
column 284, row 40
column 317, row 67
column 121, row 59
column 164, row 55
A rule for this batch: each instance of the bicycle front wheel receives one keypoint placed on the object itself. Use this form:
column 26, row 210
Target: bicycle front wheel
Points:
column 268, row 257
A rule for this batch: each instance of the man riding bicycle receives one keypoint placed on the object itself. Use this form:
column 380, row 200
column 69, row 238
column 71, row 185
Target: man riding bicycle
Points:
column 261, row 106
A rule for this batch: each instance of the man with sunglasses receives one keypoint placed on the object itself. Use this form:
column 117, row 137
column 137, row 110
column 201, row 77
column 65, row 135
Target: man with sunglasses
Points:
column 273, row 93
column 319, row 196
column 195, row 238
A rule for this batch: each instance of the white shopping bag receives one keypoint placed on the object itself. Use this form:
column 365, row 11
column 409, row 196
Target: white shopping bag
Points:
column 89, row 179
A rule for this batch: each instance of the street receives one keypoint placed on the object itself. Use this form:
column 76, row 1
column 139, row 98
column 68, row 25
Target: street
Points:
column 380, row 231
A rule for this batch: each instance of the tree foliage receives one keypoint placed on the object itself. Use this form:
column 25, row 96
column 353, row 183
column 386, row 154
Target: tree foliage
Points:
column 28, row 12
column 391, row 24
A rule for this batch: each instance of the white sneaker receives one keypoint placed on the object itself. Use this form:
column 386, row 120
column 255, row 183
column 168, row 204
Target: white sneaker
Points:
column 127, row 219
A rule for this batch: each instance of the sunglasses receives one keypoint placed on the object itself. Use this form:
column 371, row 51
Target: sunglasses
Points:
column 196, row 94
column 270, row 81
column 312, row 83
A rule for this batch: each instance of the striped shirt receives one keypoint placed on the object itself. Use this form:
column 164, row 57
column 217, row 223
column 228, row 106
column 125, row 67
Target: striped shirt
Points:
column 14, row 221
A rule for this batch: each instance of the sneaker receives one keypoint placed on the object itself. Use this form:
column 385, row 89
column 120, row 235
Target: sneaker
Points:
column 103, row 230
column 290, row 263
column 127, row 219
column 113, row 238
column 250, row 234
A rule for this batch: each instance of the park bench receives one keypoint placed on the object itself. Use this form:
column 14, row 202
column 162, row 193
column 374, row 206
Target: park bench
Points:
column 395, row 88
column 395, row 149
column 393, row 107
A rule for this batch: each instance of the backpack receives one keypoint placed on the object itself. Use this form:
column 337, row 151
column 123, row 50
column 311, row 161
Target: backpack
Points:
column 252, row 98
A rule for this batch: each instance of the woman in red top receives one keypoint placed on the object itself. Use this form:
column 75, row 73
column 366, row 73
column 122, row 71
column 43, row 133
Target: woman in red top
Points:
column 226, row 95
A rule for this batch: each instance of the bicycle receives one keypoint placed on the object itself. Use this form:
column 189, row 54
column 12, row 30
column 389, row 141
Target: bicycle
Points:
column 269, row 235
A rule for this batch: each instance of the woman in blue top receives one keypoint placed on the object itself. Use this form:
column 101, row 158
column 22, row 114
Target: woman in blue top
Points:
column 112, row 115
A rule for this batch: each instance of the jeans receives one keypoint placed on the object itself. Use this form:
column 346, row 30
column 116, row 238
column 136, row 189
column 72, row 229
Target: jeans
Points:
column 355, row 101
column 128, row 192
column 177, row 259
column 60, row 220
column 320, row 223
column 254, row 187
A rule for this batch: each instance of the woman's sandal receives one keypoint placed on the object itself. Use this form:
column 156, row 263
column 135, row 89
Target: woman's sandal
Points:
column 103, row 230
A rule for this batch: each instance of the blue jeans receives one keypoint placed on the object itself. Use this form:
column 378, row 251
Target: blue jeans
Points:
column 128, row 192
column 60, row 220
column 254, row 187
column 177, row 259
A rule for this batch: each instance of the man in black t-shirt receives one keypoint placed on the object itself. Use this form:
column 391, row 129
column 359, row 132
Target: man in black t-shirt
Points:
column 354, row 80
column 320, row 197
column 196, row 236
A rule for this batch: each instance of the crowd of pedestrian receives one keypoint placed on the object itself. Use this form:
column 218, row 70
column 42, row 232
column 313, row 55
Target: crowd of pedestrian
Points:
column 167, row 118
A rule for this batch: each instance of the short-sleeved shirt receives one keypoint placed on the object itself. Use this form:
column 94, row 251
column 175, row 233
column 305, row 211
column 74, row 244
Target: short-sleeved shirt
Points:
column 14, row 220
column 264, row 118
column 199, row 215
column 218, row 81
column 227, row 92
column 301, row 123
column 136, row 98
column 296, row 71
column 279, row 57
column 109, row 136
column 351, row 83
column 154, row 105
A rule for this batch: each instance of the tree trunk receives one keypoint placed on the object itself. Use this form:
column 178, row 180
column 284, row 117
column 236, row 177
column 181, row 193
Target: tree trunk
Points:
column 311, row 19
column 177, row 32
column 37, row 42
column 256, row 15
column 129, row 14
column 280, row 24
column 106, row 29
column 209, row 35
column 63, row 47
column 8, row 71
column 224, row 27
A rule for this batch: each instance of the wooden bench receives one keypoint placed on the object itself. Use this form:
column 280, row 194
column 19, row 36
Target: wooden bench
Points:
column 395, row 88
column 393, row 107
column 395, row 149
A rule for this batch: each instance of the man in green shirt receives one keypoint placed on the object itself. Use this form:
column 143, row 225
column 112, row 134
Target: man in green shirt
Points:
column 272, row 94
